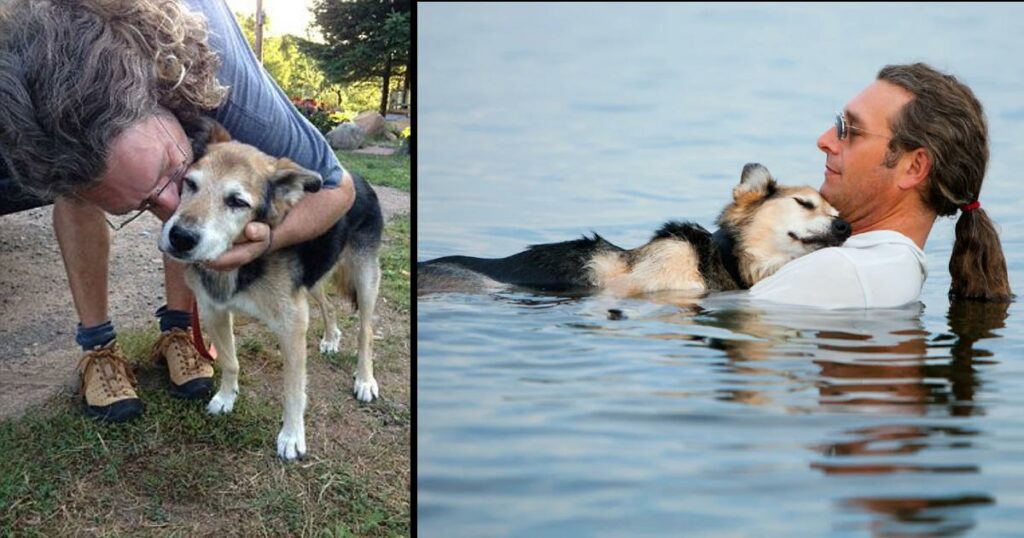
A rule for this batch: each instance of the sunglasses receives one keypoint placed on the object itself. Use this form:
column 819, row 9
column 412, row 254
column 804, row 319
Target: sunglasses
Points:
column 158, row 189
column 843, row 128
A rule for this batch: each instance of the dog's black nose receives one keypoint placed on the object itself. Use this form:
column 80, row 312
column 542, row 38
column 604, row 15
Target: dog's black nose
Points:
column 183, row 239
column 841, row 228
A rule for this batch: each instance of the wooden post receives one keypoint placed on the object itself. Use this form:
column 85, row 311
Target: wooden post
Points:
column 259, row 30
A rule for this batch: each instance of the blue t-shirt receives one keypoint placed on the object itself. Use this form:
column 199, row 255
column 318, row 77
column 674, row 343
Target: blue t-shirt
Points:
column 257, row 112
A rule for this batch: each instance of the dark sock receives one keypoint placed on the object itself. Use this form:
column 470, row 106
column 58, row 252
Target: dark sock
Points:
column 91, row 338
column 173, row 319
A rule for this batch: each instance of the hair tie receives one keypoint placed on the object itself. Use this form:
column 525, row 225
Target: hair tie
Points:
column 971, row 206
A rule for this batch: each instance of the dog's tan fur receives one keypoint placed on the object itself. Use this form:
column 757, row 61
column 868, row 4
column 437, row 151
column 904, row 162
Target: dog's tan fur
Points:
column 763, row 212
column 233, row 170
column 659, row 265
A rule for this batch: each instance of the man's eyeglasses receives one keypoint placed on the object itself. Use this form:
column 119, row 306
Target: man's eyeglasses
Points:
column 843, row 128
column 158, row 189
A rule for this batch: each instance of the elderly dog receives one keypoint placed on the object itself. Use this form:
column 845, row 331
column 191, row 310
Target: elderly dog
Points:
column 234, row 184
column 765, row 226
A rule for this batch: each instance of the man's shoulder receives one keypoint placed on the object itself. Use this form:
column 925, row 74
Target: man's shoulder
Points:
column 875, row 249
column 860, row 273
column 876, row 238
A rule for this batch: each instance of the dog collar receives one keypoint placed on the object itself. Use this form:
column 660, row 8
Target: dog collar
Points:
column 724, row 242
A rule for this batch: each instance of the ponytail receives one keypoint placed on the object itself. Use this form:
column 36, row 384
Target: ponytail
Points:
column 977, row 264
column 946, row 118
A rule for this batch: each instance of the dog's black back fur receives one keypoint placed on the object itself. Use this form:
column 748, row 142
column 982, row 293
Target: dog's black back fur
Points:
column 359, row 229
column 548, row 267
column 563, row 266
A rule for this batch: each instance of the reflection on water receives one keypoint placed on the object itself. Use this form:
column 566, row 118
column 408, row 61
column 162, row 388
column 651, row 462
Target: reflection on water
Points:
column 898, row 450
column 925, row 386
column 879, row 363
column 898, row 377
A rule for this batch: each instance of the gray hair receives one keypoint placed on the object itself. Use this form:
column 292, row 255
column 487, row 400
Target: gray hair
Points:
column 76, row 73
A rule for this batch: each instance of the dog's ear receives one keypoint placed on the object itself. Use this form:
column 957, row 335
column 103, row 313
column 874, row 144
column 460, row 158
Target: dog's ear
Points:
column 290, row 182
column 289, row 175
column 755, row 180
column 203, row 131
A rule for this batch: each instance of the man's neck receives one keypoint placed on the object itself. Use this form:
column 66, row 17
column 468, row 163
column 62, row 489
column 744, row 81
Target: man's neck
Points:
column 915, row 223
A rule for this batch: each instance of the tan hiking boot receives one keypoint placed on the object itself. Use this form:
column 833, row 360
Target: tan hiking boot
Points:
column 108, row 385
column 191, row 375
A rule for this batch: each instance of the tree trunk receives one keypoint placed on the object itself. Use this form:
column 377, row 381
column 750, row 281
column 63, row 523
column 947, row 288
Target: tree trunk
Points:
column 385, row 88
column 259, row 31
column 407, row 97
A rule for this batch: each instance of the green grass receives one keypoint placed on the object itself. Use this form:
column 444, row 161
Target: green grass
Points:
column 65, row 473
column 387, row 170
column 395, row 262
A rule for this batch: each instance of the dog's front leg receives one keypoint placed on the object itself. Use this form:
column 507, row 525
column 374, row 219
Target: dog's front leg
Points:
column 220, row 327
column 291, row 331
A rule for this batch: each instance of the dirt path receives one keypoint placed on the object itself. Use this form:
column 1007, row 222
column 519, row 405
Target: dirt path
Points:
column 38, row 353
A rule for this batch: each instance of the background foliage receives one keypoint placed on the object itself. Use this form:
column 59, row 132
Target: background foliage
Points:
column 302, row 78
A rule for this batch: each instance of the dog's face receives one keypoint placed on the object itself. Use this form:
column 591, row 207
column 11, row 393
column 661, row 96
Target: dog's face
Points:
column 773, row 225
column 232, row 185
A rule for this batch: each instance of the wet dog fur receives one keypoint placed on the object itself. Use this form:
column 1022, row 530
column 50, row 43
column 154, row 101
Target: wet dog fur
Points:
column 231, row 185
column 765, row 226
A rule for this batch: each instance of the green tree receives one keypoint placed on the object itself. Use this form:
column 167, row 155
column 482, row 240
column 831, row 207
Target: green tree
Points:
column 366, row 40
column 275, row 60
column 305, row 77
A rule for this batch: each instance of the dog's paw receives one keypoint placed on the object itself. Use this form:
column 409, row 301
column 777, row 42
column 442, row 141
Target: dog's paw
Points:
column 331, row 342
column 291, row 445
column 365, row 389
column 222, row 403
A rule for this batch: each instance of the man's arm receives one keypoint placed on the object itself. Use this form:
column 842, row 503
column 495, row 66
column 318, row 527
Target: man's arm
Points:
column 310, row 218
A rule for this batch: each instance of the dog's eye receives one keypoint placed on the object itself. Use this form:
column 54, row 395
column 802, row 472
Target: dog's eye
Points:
column 805, row 203
column 190, row 185
column 236, row 202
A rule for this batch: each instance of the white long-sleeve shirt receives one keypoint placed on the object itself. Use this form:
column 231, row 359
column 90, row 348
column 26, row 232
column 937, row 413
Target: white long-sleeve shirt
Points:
column 875, row 269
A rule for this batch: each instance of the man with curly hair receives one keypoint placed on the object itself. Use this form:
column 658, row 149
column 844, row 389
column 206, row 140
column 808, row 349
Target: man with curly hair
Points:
column 97, row 101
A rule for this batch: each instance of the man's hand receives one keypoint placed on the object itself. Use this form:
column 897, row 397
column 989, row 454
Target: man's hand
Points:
column 256, row 242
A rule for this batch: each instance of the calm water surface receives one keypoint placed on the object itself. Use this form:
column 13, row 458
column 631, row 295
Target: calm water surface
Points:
column 540, row 415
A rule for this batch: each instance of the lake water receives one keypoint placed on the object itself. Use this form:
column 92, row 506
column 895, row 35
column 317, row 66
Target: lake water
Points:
column 538, row 415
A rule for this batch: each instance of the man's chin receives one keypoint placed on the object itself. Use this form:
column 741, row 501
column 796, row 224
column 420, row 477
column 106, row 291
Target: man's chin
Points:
column 828, row 193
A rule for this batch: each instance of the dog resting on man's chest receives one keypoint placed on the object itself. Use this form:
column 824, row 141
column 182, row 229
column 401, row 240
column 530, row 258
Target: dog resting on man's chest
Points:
column 233, row 185
column 765, row 226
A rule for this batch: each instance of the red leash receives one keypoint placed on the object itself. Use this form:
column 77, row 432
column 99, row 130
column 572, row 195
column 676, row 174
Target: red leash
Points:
column 197, row 336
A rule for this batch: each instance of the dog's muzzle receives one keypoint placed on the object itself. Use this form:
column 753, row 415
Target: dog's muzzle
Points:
column 839, row 231
column 179, row 242
column 182, row 240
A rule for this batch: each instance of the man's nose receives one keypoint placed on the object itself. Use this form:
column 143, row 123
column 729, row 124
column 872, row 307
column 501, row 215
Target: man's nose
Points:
column 164, row 205
column 829, row 141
